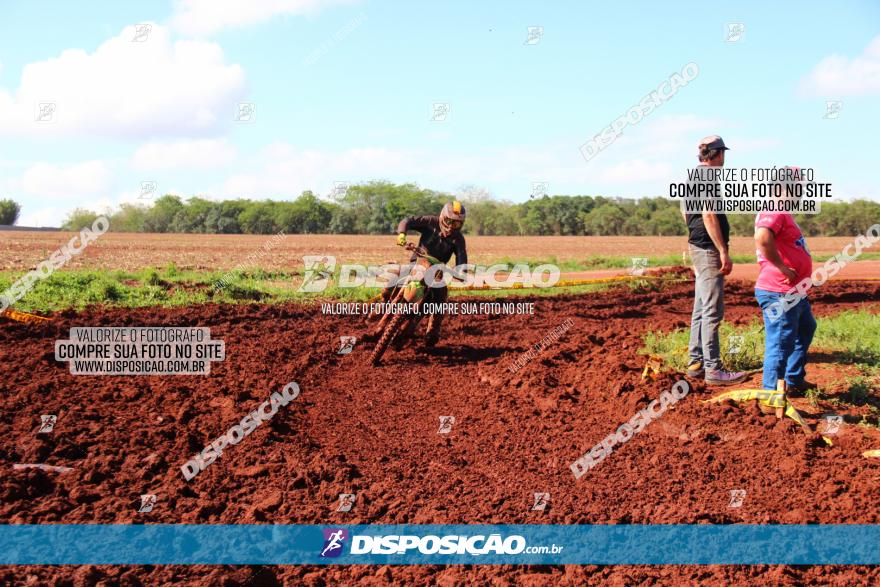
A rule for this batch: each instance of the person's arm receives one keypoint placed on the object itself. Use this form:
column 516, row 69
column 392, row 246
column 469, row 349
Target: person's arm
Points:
column 713, row 228
column 411, row 223
column 765, row 241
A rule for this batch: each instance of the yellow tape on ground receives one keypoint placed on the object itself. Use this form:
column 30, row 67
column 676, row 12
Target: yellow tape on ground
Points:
column 563, row 282
column 871, row 454
column 25, row 317
column 765, row 396
column 796, row 416
column 573, row 282
column 768, row 397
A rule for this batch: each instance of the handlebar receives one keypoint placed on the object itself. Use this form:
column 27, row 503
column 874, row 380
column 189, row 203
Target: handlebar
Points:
column 418, row 251
column 422, row 252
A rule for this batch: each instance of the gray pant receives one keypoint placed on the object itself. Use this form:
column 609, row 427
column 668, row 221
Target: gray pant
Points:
column 708, row 308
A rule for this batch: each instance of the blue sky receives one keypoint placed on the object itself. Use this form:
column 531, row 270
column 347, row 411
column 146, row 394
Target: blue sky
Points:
column 344, row 92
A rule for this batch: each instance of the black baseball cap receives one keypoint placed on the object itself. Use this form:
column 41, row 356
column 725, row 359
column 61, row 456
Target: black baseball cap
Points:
column 713, row 142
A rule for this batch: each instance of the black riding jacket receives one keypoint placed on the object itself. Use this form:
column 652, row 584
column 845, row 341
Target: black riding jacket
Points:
column 436, row 244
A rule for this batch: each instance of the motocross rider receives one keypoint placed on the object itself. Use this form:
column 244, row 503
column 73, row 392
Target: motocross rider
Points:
column 441, row 237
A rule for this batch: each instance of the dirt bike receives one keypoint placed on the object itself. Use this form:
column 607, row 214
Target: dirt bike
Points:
column 412, row 289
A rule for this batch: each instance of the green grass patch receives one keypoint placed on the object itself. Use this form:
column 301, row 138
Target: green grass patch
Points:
column 591, row 262
column 850, row 337
column 168, row 286
column 742, row 348
column 853, row 336
column 172, row 286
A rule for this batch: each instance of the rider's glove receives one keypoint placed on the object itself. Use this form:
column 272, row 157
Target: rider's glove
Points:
column 401, row 239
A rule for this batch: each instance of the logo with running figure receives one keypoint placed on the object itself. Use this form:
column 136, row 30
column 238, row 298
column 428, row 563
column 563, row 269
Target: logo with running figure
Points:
column 334, row 539
column 318, row 271
column 148, row 502
column 47, row 423
column 346, row 344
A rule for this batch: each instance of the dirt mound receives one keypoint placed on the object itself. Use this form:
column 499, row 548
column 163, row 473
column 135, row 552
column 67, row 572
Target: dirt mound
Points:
column 373, row 432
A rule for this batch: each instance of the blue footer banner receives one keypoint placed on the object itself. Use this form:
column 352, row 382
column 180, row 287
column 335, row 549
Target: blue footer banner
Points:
column 115, row 544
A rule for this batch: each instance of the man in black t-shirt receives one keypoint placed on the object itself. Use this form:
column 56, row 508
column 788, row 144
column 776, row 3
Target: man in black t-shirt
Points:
column 708, row 237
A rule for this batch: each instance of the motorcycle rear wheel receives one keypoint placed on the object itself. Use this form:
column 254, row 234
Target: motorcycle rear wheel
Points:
column 390, row 332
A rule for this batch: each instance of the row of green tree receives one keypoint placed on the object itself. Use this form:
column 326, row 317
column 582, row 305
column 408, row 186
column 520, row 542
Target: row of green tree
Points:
column 377, row 207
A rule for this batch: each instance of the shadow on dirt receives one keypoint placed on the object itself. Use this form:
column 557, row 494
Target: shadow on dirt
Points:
column 466, row 354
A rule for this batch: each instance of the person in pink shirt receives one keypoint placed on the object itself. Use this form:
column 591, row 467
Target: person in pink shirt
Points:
column 785, row 261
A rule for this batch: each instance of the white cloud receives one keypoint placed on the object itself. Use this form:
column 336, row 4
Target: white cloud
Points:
column 151, row 88
column 838, row 76
column 665, row 137
column 196, row 153
column 49, row 216
column 45, row 212
column 78, row 180
column 647, row 157
column 203, row 17
column 283, row 170
column 640, row 162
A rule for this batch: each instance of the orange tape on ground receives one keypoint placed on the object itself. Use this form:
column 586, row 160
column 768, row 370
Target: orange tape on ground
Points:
column 24, row 317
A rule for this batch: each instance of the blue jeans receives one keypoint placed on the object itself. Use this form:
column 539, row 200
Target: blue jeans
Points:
column 786, row 339
column 708, row 308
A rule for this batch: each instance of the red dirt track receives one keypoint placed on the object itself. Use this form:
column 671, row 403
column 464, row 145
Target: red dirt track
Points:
column 373, row 432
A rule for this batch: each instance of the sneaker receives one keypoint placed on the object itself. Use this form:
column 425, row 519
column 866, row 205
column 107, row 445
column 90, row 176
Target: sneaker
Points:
column 722, row 377
column 695, row 370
